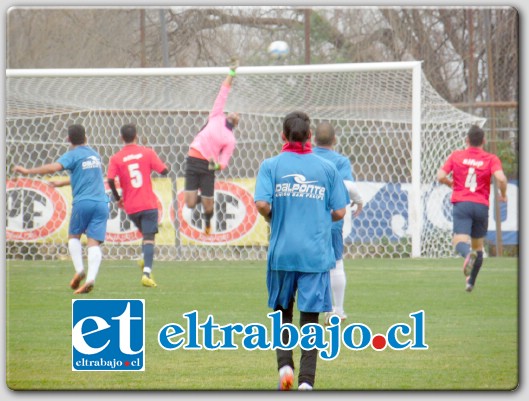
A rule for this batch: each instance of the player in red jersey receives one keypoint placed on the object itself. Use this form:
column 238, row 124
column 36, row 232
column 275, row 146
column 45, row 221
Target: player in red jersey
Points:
column 472, row 169
column 133, row 165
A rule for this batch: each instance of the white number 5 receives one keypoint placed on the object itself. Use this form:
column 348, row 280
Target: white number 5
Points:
column 136, row 179
column 471, row 182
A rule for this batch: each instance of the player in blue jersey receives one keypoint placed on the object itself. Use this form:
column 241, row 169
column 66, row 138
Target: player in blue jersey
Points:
column 300, row 194
column 89, row 207
column 325, row 139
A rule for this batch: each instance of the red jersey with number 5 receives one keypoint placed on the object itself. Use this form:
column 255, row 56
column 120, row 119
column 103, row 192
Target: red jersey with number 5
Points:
column 472, row 170
column 133, row 165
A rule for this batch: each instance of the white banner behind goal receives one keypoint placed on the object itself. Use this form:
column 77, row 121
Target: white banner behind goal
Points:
column 393, row 126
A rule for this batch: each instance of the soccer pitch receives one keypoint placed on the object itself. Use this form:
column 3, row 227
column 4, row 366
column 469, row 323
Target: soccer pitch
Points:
column 472, row 338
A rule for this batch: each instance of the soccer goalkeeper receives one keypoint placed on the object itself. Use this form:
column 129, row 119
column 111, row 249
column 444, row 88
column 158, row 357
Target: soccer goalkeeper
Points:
column 210, row 151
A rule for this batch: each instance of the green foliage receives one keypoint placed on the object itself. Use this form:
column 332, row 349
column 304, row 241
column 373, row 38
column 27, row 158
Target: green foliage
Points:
column 472, row 337
column 509, row 158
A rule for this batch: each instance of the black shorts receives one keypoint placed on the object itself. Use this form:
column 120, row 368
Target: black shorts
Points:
column 471, row 218
column 146, row 221
column 198, row 176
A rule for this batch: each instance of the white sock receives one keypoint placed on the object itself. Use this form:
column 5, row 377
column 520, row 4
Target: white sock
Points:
column 338, row 282
column 285, row 369
column 187, row 213
column 94, row 260
column 305, row 387
column 76, row 252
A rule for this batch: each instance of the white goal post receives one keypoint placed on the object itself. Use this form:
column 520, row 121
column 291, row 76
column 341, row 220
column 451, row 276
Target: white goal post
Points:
column 393, row 126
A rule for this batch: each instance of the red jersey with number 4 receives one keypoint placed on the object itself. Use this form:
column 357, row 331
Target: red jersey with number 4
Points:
column 133, row 165
column 472, row 169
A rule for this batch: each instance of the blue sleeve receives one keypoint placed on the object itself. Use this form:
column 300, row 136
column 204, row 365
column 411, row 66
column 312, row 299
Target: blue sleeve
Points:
column 66, row 160
column 338, row 196
column 344, row 168
column 264, row 186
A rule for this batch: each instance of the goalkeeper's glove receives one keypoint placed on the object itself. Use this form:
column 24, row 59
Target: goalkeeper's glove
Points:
column 234, row 64
column 213, row 165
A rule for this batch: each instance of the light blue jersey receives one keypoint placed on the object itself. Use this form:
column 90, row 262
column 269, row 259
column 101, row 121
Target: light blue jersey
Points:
column 343, row 165
column 302, row 190
column 86, row 174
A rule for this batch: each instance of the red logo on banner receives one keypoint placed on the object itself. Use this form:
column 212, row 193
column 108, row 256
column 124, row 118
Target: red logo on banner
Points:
column 234, row 215
column 35, row 209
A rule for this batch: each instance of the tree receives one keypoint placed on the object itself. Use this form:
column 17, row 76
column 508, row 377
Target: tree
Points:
column 451, row 42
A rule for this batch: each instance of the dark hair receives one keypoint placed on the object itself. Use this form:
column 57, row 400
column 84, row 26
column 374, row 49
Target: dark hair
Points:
column 296, row 127
column 128, row 133
column 475, row 136
column 324, row 134
column 76, row 134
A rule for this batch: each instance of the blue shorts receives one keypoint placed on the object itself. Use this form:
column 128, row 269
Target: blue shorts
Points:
column 314, row 290
column 471, row 218
column 90, row 218
column 146, row 221
column 337, row 244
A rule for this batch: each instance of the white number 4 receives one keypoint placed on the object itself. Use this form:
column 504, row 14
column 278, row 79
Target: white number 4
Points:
column 136, row 179
column 471, row 181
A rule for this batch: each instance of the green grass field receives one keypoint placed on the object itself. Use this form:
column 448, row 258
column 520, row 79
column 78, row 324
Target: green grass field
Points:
column 472, row 337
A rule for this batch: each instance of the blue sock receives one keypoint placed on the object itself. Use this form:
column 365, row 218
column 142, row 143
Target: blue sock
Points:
column 148, row 254
column 463, row 248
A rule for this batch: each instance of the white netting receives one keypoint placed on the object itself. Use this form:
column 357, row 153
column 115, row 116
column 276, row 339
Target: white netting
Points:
column 371, row 110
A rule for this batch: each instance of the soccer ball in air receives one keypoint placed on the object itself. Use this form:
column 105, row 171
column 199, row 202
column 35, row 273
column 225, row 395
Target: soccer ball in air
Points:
column 278, row 49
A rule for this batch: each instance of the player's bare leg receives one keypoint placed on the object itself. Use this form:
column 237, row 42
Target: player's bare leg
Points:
column 462, row 246
column 191, row 198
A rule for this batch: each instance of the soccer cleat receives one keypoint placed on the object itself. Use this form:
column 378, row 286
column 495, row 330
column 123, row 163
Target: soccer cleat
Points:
column 286, row 378
column 305, row 387
column 328, row 315
column 469, row 287
column 76, row 280
column 86, row 288
column 148, row 281
column 468, row 264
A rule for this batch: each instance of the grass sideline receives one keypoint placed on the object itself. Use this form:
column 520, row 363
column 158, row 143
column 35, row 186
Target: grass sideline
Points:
column 472, row 337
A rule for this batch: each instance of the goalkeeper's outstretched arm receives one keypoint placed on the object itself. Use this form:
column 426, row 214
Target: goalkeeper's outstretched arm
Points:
column 233, row 67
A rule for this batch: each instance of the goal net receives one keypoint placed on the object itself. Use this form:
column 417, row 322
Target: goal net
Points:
column 393, row 126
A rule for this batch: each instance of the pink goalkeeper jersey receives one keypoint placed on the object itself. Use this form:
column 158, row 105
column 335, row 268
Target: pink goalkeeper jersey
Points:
column 216, row 141
column 472, row 169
